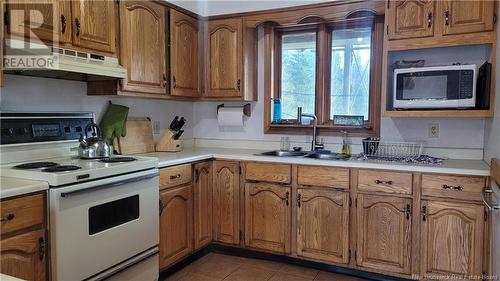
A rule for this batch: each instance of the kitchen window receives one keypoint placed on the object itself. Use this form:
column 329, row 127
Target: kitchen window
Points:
column 327, row 69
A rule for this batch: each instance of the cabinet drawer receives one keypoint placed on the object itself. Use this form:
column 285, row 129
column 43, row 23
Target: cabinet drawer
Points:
column 380, row 181
column 323, row 176
column 174, row 176
column 269, row 172
column 458, row 187
column 22, row 212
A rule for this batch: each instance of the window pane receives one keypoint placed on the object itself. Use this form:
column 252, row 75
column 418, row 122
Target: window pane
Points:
column 298, row 73
column 350, row 73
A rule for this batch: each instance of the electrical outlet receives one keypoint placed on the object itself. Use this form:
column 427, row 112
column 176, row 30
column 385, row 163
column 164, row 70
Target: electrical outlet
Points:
column 156, row 127
column 434, row 130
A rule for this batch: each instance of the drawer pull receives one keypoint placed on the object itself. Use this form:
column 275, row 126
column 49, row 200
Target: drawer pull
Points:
column 424, row 213
column 175, row 176
column 9, row 217
column 383, row 182
column 458, row 187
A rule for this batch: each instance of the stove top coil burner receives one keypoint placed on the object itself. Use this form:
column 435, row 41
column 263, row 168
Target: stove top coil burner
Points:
column 61, row 168
column 36, row 165
column 118, row 159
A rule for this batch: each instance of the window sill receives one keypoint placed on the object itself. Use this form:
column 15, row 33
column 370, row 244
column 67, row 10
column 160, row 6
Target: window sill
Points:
column 323, row 130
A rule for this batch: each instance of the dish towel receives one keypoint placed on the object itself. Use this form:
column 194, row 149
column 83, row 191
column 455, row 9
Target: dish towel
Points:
column 113, row 122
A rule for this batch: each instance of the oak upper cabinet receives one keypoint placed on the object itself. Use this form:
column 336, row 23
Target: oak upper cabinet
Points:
column 142, row 46
column 226, row 202
column 268, row 217
column 467, row 16
column 185, row 39
column 452, row 238
column 322, row 225
column 202, row 194
column 94, row 25
column 383, row 239
column 176, row 222
column 224, row 58
column 24, row 256
column 50, row 21
column 410, row 19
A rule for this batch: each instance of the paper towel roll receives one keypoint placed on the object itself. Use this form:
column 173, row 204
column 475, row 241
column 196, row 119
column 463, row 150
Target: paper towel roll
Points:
column 230, row 117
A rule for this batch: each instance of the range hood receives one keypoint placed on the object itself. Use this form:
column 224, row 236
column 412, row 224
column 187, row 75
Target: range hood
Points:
column 67, row 63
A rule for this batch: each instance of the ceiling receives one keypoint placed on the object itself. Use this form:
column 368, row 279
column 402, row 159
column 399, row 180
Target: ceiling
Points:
column 221, row 7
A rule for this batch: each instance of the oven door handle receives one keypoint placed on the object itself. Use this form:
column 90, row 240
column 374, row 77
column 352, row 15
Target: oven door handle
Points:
column 122, row 182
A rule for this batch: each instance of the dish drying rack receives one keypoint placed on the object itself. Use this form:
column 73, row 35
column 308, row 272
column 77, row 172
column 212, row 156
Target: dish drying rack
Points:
column 377, row 148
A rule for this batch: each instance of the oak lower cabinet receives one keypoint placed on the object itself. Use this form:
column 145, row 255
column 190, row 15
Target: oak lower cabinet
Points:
column 202, row 194
column 142, row 47
column 176, row 224
column 323, row 225
column 384, row 233
column 268, row 217
column 226, row 202
column 23, row 246
column 451, row 238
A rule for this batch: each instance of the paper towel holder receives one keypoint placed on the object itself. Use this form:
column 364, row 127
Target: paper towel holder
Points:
column 247, row 109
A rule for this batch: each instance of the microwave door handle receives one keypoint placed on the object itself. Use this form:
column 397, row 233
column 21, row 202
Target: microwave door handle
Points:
column 136, row 179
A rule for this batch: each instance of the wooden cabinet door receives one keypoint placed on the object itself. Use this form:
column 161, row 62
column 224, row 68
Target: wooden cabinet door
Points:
column 176, row 222
column 202, row 204
column 142, row 46
column 224, row 58
column 323, row 225
column 384, row 226
column 94, row 25
column 226, row 202
column 452, row 238
column 411, row 19
column 24, row 256
column 47, row 20
column 185, row 38
column 267, row 217
column 462, row 16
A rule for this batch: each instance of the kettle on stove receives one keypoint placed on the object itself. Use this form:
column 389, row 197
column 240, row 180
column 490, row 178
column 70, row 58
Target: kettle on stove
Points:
column 93, row 147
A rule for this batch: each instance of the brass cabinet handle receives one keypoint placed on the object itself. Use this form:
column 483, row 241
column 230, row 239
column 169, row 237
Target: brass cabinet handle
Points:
column 41, row 247
column 447, row 18
column 408, row 211
column 287, row 196
column 429, row 19
column 238, row 84
column 175, row 176
column 383, row 182
column 164, row 80
column 63, row 24
column 9, row 217
column 174, row 84
column 77, row 24
column 457, row 187
column 299, row 197
column 424, row 213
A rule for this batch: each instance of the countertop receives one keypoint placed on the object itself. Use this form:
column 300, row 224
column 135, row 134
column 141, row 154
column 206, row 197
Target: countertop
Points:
column 15, row 186
column 452, row 166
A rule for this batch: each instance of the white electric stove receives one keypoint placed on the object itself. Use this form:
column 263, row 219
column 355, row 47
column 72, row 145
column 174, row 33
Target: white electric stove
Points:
column 103, row 213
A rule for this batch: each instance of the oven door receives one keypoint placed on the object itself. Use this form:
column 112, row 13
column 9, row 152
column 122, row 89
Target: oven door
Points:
column 97, row 225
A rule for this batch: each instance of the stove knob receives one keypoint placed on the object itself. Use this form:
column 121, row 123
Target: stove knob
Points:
column 79, row 129
column 23, row 131
column 7, row 132
column 67, row 129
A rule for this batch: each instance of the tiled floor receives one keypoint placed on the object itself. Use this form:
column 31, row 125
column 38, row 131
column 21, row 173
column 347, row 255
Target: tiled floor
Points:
column 217, row 267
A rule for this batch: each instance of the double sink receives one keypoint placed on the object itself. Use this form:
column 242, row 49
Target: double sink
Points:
column 306, row 154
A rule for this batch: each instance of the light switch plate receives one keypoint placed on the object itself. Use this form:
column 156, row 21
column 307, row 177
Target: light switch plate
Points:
column 156, row 127
column 434, row 130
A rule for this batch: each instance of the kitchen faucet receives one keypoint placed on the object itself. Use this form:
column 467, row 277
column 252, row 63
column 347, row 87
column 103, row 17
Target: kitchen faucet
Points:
column 314, row 145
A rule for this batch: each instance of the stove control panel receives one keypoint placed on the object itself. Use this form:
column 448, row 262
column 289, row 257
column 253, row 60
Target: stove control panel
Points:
column 19, row 128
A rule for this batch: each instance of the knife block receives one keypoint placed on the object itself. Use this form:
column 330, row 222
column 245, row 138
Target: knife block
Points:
column 167, row 142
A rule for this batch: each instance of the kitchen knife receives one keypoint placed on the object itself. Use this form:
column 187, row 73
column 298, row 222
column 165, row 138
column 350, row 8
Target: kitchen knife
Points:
column 174, row 122
column 178, row 135
column 180, row 124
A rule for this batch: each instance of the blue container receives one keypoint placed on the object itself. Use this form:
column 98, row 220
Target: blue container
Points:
column 276, row 111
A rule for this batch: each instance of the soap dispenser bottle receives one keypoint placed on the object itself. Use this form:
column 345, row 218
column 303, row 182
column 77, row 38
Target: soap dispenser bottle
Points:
column 346, row 146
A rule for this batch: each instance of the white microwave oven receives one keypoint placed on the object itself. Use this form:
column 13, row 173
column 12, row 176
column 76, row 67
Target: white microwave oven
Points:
column 452, row 86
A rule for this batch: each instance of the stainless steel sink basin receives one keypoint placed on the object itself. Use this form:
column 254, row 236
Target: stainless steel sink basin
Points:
column 280, row 153
column 327, row 156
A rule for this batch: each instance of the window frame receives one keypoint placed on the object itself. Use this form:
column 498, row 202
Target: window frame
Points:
column 324, row 31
